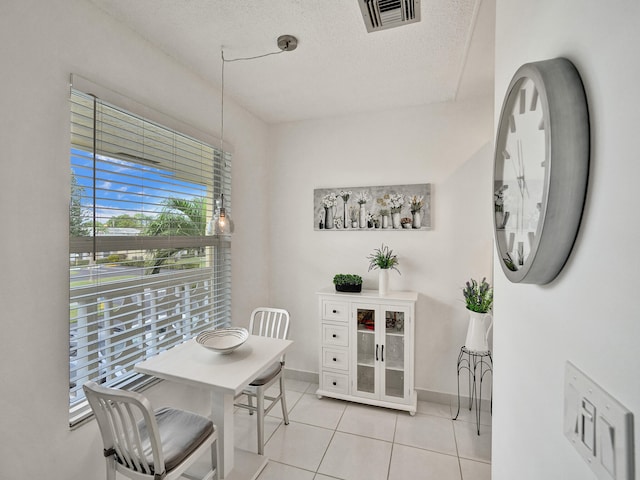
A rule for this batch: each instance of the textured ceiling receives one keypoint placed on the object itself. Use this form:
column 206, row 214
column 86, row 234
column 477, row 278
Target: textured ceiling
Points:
column 338, row 68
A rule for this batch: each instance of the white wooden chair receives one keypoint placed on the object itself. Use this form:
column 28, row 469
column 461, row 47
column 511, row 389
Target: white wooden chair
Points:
column 144, row 444
column 267, row 322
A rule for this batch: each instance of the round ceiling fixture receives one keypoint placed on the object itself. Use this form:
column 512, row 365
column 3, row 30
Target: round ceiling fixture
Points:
column 287, row 43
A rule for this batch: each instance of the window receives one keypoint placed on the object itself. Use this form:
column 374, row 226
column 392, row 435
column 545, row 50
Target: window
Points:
column 144, row 276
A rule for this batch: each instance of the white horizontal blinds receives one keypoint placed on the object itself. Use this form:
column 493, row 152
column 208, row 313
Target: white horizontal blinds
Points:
column 139, row 167
column 144, row 276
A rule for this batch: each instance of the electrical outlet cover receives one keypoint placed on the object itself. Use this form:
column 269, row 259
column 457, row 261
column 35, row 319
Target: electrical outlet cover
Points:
column 612, row 456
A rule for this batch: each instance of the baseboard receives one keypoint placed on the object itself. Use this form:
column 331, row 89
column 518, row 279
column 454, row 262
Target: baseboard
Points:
column 436, row 397
column 302, row 375
column 423, row 395
column 449, row 399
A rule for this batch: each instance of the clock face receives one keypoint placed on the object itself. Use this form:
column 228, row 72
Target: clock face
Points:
column 520, row 171
column 541, row 167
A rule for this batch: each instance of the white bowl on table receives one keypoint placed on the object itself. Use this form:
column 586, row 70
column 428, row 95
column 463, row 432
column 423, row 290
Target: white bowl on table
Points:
column 223, row 340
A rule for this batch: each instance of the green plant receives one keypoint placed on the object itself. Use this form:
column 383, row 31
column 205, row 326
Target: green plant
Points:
column 383, row 258
column 478, row 296
column 347, row 279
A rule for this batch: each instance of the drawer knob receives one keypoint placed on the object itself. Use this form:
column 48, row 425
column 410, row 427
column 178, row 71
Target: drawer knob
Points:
column 335, row 311
column 334, row 335
column 335, row 359
column 335, row 383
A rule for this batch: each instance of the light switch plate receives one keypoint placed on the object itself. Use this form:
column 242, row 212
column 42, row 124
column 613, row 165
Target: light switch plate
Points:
column 591, row 413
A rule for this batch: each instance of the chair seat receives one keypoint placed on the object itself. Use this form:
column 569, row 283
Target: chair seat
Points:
column 181, row 433
column 267, row 375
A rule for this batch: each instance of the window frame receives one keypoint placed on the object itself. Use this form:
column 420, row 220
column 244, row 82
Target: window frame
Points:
column 212, row 281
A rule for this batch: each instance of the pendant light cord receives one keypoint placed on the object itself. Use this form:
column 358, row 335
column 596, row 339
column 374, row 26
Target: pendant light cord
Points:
column 224, row 60
column 285, row 43
column 250, row 58
column 222, row 112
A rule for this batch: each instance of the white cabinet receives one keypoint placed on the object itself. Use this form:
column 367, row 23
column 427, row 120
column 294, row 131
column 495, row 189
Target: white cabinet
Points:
column 367, row 347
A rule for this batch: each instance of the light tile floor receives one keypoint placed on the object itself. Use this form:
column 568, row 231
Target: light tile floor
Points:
column 329, row 439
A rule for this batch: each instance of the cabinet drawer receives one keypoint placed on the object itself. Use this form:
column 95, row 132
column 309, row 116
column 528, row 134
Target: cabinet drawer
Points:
column 335, row 358
column 336, row 335
column 337, row 311
column 335, row 382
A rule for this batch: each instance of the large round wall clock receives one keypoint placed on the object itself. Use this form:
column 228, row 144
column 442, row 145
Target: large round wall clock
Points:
column 541, row 166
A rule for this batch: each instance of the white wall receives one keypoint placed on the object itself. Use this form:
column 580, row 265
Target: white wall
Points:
column 278, row 258
column 41, row 43
column 589, row 314
column 447, row 145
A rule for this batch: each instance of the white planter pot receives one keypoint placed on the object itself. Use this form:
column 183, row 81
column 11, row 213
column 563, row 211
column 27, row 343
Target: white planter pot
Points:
column 417, row 220
column 478, row 331
column 328, row 218
column 383, row 282
column 395, row 219
column 363, row 216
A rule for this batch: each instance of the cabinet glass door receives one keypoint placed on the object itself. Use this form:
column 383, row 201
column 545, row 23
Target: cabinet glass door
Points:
column 366, row 347
column 393, row 355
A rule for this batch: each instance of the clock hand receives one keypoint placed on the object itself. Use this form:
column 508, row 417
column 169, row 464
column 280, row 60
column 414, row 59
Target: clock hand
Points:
column 522, row 185
column 516, row 169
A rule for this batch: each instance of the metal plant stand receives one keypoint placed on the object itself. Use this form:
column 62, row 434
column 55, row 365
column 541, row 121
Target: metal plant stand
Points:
column 478, row 364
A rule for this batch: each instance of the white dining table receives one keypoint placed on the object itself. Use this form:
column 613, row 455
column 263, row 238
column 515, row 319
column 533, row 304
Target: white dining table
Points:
column 225, row 376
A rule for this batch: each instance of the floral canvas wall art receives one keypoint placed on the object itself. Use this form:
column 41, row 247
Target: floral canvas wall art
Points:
column 397, row 207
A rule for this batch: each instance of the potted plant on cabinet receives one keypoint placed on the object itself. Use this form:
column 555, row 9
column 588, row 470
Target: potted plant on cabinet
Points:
column 347, row 282
column 384, row 259
column 478, row 297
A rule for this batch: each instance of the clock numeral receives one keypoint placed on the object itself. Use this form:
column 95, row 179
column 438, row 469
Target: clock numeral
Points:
column 532, row 238
column 506, row 154
column 520, row 253
column 523, row 101
column 541, row 124
column 534, row 100
column 512, row 123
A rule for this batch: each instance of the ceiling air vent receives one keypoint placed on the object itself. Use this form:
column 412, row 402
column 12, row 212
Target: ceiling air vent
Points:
column 383, row 14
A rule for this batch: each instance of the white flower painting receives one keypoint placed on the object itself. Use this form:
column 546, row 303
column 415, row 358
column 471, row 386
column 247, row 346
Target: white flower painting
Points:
column 371, row 208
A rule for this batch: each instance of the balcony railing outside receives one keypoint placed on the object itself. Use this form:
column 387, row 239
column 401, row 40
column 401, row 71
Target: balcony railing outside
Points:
column 116, row 324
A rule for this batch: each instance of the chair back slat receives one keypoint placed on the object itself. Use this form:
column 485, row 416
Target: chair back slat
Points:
column 128, row 442
column 128, row 427
column 269, row 322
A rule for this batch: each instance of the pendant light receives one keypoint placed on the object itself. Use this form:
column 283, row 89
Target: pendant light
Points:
column 221, row 223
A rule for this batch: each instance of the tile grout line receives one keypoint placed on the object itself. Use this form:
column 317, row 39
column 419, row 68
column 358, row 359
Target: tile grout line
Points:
column 393, row 445
column 393, row 442
column 455, row 439
column 329, row 444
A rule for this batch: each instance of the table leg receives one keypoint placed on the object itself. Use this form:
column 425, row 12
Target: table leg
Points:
column 478, row 395
column 222, row 416
column 485, row 367
column 477, row 366
column 472, row 381
column 458, row 367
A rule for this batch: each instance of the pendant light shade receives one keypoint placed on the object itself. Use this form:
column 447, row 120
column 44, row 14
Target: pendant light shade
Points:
column 221, row 223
